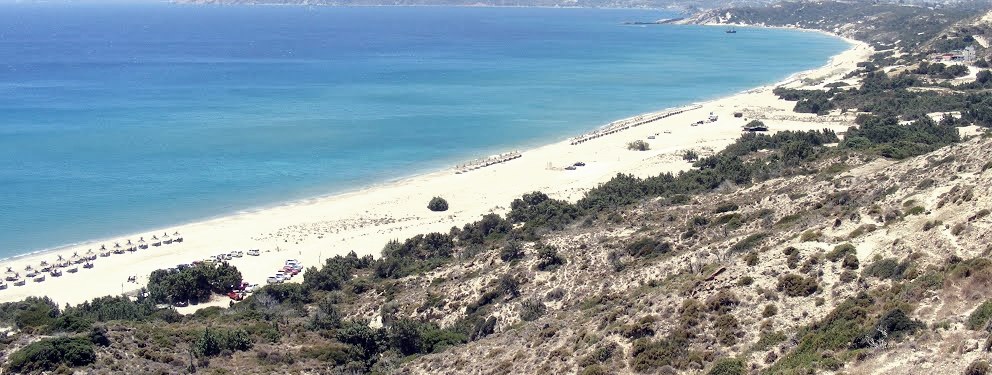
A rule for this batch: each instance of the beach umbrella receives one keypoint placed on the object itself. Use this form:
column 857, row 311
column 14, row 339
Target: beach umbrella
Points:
column 142, row 244
column 10, row 274
column 130, row 246
column 166, row 238
column 90, row 254
column 28, row 268
column 103, row 247
column 44, row 266
column 75, row 258
column 179, row 237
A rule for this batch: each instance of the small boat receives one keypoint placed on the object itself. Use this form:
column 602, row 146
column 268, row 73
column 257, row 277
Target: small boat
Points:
column 731, row 31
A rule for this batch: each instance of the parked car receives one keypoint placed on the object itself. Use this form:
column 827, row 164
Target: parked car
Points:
column 579, row 164
column 254, row 252
column 235, row 295
column 272, row 280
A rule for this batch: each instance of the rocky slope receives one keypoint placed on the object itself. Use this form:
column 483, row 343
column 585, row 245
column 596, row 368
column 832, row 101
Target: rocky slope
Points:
column 924, row 214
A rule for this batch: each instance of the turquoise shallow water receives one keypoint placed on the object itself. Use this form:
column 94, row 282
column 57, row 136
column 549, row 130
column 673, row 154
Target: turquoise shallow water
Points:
column 121, row 118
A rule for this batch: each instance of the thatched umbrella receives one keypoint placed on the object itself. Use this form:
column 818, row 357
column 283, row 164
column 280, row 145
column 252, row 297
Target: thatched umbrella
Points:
column 76, row 259
column 142, row 244
column 61, row 262
column 156, row 241
column 90, row 254
column 10, row 275
column 177, row 237
column 130, row 246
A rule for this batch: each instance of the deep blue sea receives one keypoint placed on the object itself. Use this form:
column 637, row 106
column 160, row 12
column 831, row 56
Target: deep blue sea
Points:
column 121, row 118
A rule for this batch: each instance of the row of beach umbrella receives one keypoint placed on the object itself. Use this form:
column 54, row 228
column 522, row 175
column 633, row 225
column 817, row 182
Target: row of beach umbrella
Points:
column 71, row 264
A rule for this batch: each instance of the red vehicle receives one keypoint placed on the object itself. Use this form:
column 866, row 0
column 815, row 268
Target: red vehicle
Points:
column 235, row 295
column 290, row 270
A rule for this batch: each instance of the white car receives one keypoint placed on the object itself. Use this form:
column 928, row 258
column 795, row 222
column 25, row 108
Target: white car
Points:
column 237, row 254
column 254, row 252
column 272, row 280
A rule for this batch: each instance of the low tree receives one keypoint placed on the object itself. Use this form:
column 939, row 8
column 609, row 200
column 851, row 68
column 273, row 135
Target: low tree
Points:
column 638, row 145
column 437, row 204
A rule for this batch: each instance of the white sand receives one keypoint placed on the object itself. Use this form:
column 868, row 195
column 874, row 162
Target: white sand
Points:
column 365, row 220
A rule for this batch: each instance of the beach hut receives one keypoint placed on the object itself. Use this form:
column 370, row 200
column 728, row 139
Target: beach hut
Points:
column 142, row 244
column 10, row 275
column 156, row 241
column 176, row 237
column 166, row 239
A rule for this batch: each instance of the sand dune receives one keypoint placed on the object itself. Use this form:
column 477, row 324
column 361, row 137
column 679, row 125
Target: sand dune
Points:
column 365, row 220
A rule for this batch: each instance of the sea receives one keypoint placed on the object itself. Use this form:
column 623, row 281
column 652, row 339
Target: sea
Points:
column 120, row 118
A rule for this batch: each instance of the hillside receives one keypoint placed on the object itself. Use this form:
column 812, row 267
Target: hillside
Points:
column 857, row 252
column 884, row 25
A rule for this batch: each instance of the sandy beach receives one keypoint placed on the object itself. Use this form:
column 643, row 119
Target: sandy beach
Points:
column 363, row 221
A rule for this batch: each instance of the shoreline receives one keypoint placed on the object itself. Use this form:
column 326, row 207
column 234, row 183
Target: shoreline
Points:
column 338, row 215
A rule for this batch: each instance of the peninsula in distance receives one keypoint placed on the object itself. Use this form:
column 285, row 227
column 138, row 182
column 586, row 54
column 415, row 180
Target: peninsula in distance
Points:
column 496, row 187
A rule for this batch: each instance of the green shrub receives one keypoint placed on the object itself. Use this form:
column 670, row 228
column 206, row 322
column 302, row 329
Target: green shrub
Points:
column 690, row 156
column 197, row 282
column 437, row 204
column 797, row 286
column 647, row 355
column 638, row 145
column 748, row 243
column 980, row 317
column 888, row 268
column 531, row 310
column 751, row 259
column 548, row 259
column 841, row 251
column 769, row 311
column 511, row 251
column 916, row 210
column 892, row 326
column 647, row 247
column 978, row 367
column 48, row 354
column 851, row 262
column 726, row 207
column 810, row 235
column 745, row 281
column 728, row 366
